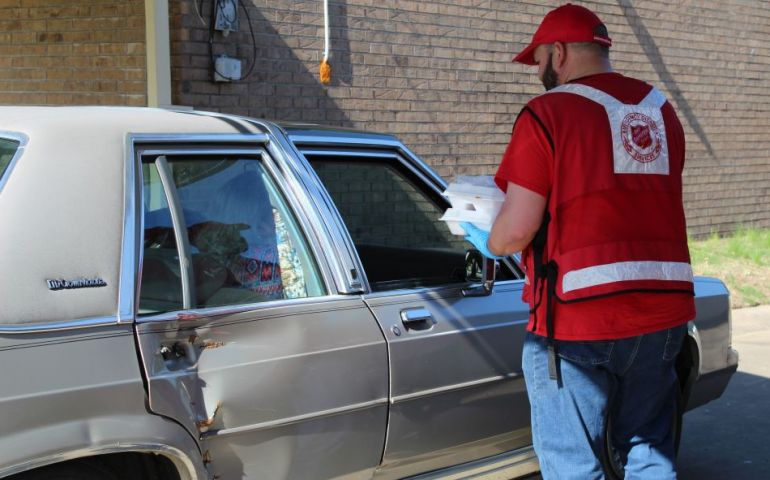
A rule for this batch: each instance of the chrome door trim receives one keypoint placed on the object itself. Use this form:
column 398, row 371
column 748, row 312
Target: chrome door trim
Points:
column 201, row 150
column 514, row 464
column 296, row 419
column 345, row 139
column 190, row 139
column 326, row 263
column 352, row 153
column 416, row 335
column 447, row 290
column 59, row 326
column 132, row 225
column 349, row 274
column 209, row 312
column 452, row 388
column 180, row 231
column 23, row 140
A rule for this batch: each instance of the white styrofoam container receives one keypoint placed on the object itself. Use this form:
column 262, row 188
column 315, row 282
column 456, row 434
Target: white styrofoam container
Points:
column 453, row 217
column 478, row 203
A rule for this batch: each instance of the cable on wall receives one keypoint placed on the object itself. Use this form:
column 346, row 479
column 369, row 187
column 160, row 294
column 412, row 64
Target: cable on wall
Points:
column 218, row 5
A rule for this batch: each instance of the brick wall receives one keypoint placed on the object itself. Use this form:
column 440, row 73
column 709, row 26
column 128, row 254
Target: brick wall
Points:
column 438, row 74
column 72, row 52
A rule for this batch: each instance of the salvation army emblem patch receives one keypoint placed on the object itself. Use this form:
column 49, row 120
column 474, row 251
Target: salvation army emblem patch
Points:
column 641, row 137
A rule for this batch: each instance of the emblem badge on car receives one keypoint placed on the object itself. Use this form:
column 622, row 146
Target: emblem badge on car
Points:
column 61, row 284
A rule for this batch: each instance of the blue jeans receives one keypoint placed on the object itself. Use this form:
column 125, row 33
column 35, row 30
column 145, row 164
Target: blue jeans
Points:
column 632, row 380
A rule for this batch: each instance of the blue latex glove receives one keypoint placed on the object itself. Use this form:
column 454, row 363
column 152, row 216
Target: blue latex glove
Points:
column 478, row 238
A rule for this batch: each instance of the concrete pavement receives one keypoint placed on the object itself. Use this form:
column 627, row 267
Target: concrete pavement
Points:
column 730, row 437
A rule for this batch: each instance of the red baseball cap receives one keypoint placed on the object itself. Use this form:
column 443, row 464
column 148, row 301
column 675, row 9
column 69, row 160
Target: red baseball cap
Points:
column 568, row 23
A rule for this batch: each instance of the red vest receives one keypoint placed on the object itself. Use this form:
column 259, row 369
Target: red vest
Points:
column 617, row 222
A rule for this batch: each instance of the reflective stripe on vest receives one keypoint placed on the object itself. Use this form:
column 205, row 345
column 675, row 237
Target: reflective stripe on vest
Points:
column 638, row 132
column 626, row 271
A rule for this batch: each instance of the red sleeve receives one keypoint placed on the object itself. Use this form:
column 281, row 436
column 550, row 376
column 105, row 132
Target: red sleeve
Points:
column 528, row 160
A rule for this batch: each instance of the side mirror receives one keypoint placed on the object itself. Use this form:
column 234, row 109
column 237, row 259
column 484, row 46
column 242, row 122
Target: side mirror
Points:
column 479, row 268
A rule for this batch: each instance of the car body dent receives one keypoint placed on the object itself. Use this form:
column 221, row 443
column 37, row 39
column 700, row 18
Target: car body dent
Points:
column 80, row 393
column 244, row 377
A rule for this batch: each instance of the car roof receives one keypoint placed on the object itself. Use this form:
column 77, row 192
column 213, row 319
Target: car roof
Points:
column 137, row 120
column 121, row 120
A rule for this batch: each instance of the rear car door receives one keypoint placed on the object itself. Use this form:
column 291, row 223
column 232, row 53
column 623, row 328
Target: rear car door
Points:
column 244, row 337
column 456, row 389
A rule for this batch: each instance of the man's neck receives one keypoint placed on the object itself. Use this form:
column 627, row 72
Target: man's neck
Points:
column 588, row 70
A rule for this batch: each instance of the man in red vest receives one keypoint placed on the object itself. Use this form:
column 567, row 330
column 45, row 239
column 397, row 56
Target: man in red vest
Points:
column 593, row 182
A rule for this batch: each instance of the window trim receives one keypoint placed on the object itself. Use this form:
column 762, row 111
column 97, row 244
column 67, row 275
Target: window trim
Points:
column 259, row 153
column 180, row 232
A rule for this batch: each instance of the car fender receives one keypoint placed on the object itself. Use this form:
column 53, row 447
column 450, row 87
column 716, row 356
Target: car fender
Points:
column 29, row 449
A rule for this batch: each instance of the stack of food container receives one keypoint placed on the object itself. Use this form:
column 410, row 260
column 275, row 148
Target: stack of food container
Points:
column 474, row 199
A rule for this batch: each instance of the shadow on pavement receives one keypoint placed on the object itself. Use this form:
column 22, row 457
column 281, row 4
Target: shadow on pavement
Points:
column 728, row 438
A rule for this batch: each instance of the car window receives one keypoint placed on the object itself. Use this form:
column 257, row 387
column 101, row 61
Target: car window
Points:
column 7, row 151
column 244, row 243
column 393, row 221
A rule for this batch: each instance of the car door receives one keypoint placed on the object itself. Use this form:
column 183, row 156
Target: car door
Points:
column 456, row 389
column 243, row 335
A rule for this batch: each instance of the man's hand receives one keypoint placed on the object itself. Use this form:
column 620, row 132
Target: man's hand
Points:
column 478, row 238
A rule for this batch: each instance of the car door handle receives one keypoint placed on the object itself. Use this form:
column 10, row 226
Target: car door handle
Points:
column 417, row 319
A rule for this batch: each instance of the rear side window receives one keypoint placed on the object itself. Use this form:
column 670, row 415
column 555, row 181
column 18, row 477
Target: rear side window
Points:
column 393, row 220
column 7, row 151
column 383, row 206
column 243, row 243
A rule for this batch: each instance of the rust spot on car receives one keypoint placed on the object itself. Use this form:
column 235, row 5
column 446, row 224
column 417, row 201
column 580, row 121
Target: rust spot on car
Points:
column 204, row 425
column 212, row 344
column 206, row 457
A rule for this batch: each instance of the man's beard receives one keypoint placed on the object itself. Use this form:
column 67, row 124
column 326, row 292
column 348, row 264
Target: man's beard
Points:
column 550, row 79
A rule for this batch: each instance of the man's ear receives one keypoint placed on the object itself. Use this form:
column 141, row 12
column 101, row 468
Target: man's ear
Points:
column 559, row 56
